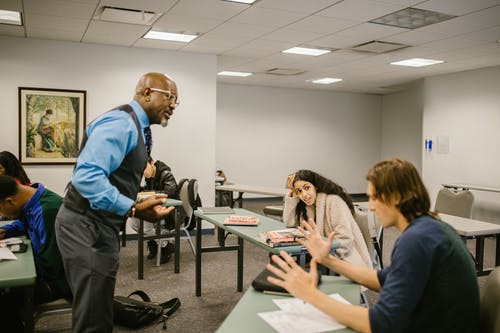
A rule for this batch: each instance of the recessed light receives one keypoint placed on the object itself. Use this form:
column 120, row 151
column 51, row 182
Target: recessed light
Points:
column 229, row 73
column 10, row 17
column 248, row 2
column 306, row 51
column 417, row 62
column 326, row 80
column 171, row 36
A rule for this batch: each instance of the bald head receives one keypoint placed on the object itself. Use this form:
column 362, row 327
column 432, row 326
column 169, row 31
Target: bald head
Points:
column 152, row 80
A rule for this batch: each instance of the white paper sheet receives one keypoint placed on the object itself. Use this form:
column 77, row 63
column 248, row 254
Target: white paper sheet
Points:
column 299, row 316
column 6, row 254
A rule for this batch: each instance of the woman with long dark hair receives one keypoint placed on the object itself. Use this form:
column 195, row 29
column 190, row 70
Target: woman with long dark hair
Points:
column 314, row 196
column 10, row 166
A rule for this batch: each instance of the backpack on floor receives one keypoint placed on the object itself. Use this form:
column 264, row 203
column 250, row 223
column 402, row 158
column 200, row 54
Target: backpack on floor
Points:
column 133, row 313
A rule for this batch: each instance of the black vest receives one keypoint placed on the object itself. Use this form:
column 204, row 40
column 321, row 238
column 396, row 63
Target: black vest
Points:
column 127, row 178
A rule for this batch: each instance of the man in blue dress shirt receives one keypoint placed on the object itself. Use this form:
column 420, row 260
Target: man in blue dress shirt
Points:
column 102, row 193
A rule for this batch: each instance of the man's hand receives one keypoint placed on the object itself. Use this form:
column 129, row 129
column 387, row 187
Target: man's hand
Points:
column 314, row 242
column 152, row 209
column 3, row 233
column 292, row 277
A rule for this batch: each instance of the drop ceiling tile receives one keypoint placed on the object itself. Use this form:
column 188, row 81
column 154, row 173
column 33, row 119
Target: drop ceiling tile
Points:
column 56, row 34
column 60, row 8
column 414, row 37
column 157, row 6
column 371, row 31
column 114, row 33
column 267, row 17
column 266, row 63
column 405, row 3
column 487, row 35
column 457, row 7
column 453, row 43
column 260, row 48
column 338, row 42
column 13, row 5
column 360, row 10
column 210, row 9
column 186, row 24
column 292, row 36
column 54, row 23
column 158, row 44
column 300, row 6
column 322, row 25
column 212, row 45
column 11, row 30
column 231, row 28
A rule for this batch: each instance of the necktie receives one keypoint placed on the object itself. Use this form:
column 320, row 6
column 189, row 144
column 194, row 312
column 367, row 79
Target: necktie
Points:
column 149, row 139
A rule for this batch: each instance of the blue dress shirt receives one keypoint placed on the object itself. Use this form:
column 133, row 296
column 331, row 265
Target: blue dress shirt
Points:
column 110, row 138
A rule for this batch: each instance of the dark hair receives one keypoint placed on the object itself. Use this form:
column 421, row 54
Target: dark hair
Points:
column 49, row 111
column 13, row 167
column 322, row 185
column 399, row 180
column 150, row 159
column 8, row 186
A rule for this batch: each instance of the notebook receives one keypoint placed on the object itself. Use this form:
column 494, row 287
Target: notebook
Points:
column 241, row 220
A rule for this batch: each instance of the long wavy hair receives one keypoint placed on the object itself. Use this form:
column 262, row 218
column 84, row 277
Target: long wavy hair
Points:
column 322, row 185
column 399, row 180
column 13, row 167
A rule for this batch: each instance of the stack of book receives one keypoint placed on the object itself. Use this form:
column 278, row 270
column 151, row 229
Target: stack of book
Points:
column 241, row 220
column 282, row 237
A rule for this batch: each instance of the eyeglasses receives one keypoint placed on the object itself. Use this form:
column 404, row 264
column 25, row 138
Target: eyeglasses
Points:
column 171, row 97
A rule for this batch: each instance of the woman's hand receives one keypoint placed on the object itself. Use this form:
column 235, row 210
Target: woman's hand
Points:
column 318, row 248
column 289, row 183
column 292, row 277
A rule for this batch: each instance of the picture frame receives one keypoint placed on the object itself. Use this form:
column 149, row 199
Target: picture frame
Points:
column 51, row 125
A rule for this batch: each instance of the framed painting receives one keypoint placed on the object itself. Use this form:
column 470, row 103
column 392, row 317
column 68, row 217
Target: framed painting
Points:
column 51, row 125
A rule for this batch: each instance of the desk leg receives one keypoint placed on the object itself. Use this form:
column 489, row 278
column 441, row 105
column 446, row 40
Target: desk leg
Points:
column 177, row 240
column 29, row 301
column 497, row 256
column 240, row 199
column 479, row 254
column 140, row 250
column 240, row 264
column 198, row 258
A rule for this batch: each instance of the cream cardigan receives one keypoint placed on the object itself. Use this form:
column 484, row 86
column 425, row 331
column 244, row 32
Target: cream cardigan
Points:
column 333, row 214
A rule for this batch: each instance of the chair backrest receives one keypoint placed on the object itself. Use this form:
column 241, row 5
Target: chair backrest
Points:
column 188, row 194
column 490, row 303
column 361, row 219
column 454, row 203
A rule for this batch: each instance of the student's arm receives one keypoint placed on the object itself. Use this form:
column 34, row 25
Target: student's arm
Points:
column 320, row 251
column 303, row 285
column 339, row 220
column 13, row 229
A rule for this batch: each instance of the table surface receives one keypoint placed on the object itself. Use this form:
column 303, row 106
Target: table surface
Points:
column 244, row 319
column 470, row 227
column 277, row 191
column 20, row 272
column 251, row 233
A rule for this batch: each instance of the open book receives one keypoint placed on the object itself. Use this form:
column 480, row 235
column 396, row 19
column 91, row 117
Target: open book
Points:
column 282, row 237
column 241, row 220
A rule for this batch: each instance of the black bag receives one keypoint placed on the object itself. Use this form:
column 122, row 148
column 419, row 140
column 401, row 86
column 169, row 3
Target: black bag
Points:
column 194, row 201
column 133, row 313
column 260, row 283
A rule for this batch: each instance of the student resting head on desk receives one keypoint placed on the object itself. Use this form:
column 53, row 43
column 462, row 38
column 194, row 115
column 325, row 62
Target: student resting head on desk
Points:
column 431, row 284
column 35, row 208
column 314, row 196
column 10, row 166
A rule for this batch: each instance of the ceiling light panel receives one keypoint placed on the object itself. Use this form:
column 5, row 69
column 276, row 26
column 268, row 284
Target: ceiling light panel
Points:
column 10, row 17
column 417, row 62
column 326, row 80
column 230, row 73
column 248, row 2
column 306, row 51
column 170, row 36
column 412, row 18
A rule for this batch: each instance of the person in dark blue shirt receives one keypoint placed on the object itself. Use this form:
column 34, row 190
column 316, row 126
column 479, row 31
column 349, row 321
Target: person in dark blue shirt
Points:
column 431, row 284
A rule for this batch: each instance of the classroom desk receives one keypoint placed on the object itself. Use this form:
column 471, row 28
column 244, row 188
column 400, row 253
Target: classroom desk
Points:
column 176, row 234
column 247, row 233
column 469, row 228
column 21, row 273
column 244, row 319
column 240, row 188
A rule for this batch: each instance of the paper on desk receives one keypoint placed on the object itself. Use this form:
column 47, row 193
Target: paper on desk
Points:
column 6, row 254
column 298, row 316
column 11, row 241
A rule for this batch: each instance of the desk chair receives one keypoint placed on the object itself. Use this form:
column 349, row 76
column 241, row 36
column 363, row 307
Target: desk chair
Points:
column 57, row 307
column 458, row 203
column 188, row 198
column 490, row 304
column 373, row 242
column 274, row 211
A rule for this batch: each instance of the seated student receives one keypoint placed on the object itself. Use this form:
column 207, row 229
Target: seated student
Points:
column 314, row 196
column 10, row 166
column 159, row 178
column 431, row 284
column 36, row 208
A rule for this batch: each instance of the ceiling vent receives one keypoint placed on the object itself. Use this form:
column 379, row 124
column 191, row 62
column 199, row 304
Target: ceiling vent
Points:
column 126, row 15
column 412, row 18
column 285, row 71
column 378, row 47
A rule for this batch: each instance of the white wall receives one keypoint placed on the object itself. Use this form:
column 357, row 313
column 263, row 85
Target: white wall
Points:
column 466, row 107
column 402, row 125
column 265, row 133
column 109, row 75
